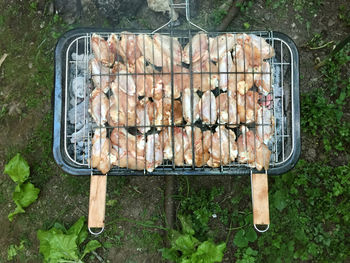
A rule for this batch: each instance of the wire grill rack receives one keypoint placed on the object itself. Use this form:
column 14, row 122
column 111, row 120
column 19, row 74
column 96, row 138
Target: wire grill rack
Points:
column 77, row 126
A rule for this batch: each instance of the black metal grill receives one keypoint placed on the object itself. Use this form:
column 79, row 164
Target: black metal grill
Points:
column 74, row 126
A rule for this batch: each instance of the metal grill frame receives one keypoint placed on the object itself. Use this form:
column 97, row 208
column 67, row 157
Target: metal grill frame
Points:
column 71, row 167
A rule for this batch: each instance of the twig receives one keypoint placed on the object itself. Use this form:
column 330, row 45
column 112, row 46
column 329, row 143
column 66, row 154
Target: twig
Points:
column 98, row 256
column 231, row 14
column 324, row 45
column 334, row 51
column 2, row 59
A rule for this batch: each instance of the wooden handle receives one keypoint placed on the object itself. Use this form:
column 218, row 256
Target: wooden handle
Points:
column 97, row 204
column 260, row 195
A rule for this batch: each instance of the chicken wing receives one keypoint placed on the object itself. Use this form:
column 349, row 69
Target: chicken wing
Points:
column 100, row 75
column 122, row 108
column 248, row 106
column 100, row 157
column 154, row 152
column 129, row 150
column 163, row 112
column 256, row 49
column 125, row 82
column 225, row 65
column 201, row 146
column 152, row 52
column 265, row 124
column 207, row 108
column 205, row 75
column 99, row 105
column 143, row 77
column 252, row 151
column 135, row 145
column 227, row 108
column 223, row 147
column 101, row 50
column 190, row 107
column 221, row 45
column 199, row 50
column 145, row 115
column 127, row 48
column 169, row 45
column 262, row 79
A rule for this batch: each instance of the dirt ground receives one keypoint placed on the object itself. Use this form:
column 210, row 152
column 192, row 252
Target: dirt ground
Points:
column 26, row 121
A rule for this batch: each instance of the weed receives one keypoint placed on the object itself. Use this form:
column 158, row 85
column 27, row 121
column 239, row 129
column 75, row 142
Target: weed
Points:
column 202, row 205
column 344, row 14
column 323, row 108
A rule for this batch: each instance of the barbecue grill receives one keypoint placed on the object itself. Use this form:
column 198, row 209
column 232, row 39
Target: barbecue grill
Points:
column 74, row 127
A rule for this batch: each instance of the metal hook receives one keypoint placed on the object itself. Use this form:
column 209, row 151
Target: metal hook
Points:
column 94, row 233
column 185, row 5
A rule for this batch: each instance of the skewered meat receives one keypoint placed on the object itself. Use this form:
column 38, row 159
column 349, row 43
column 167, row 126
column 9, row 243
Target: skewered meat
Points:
column 252, row 151
column 205, row 75
column 207, row 108
column 248, row 106
column 223, row 147
column 100, row 157
column 127, row 48
column 227, row 108
column 263, row 79
column 221, row 45
column 265, row 124
column 201, row 146
column 101, row 50
column 99, row 105
column 199, row 50
column 169, row 45
column 154, row 152
column 189, row 108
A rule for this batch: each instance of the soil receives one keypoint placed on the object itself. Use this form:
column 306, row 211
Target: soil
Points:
column 64, row 198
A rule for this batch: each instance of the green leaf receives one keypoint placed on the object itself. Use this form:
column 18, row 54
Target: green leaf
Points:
column 18, row 169
column 279, row 200
column 91, row 246
column 251, row 234
column 240, row 240
column 208, row 252
column 56, row 246
column 18, row 210
column 169, row 254
column 186, row 244
column 186, row 224
column 79, row 230
column 23, row 196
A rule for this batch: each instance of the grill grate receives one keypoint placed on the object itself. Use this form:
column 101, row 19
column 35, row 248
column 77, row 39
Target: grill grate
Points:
column 79, row 126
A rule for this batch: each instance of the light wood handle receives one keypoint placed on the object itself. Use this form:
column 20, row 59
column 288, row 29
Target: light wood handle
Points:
column 260, row 196
column 97, row 203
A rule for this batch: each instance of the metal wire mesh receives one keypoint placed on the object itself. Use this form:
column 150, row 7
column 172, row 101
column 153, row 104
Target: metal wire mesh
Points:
column 160, row 81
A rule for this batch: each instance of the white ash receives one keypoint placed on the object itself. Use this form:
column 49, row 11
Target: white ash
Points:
column 78, row 115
